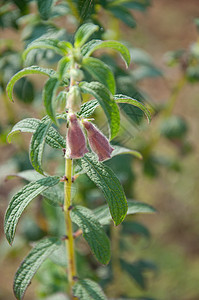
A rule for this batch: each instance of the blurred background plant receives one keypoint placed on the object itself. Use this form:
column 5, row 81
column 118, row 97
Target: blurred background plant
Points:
column 166, row 266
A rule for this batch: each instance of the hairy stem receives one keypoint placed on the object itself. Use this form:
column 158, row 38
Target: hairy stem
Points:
column 69, row 229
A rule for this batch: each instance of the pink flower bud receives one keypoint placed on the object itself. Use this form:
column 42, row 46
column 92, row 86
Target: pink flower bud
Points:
column 76, row 142
column 98, row 142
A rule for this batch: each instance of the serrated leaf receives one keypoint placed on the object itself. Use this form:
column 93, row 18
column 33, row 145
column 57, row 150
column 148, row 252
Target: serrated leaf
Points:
column 107, row 181
column 44, row 7
column 52, row 44
column 53, row 137
column 134, row 102
column 25, row 72
column 87, row 289
column 83, row 33
column 94, row 45
column 92, row 232
column 105, row 99
column 54, row 195
column 103, row 215
column 20, row 201
column 88, row 108
column 37, row 145
column 118, row 150
column 100, row 71
column 49, row 97
column 31, row 264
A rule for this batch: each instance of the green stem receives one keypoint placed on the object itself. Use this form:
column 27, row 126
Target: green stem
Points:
column 69, row 229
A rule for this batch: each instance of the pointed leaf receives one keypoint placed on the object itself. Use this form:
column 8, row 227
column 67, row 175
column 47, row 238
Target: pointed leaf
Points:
column 21, row 200
column 100, row 71
column 83, row 33
column 24, row 72
column 118, row 150
column 87, row 289
column 49, row 97
column 107, row 181
column 103, row 215
column 93, row 45
column 92, row 232
column 31, row 264
column 54, row 195
column 53, row 137
column 37, row 145
column 105, row 99
column 88, row 108
column 134, row 102
column 47, row 43
column 123, row 14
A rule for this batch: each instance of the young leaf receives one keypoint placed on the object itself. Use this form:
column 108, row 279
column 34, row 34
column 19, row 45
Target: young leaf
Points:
column 83, row 33
column 107, row 181
column 134, row 102
column 118, row 150
column 20, row 201
column 47, row 43
column 37, row 145
column 53, row 137
column 88, row 108
column 92, row 232
column 31, row 264
column 100, row 71
column 49, row 93
column 44, row 8
column 93, row 45
column 103, row 96
column 24, row 72
column 103, row 215
column 63, row 66
column 87, row 289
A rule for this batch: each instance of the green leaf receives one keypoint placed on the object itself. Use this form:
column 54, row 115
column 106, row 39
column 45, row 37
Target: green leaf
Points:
column 93, row 45
column 31, row 264
column 100, row 71
column 134, row 102
column 118, row 150
column 53, row 137
column 20, row 201
column 24, row 72
column 103, row 215
column 87, row 289
column 123, row 14
column 63, row 67
column 47, row 43
column 137, row 269
column 92, row 232
column 135, row 228
column 44, row 7
column 49, row 97
column 83, row 33
column 107, row 181
column 88, row 108
column 105, row 99
column 54, row 195
column 37, row 145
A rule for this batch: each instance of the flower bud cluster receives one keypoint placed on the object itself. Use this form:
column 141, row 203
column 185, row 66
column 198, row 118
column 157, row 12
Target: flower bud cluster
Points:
column 76, row 141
